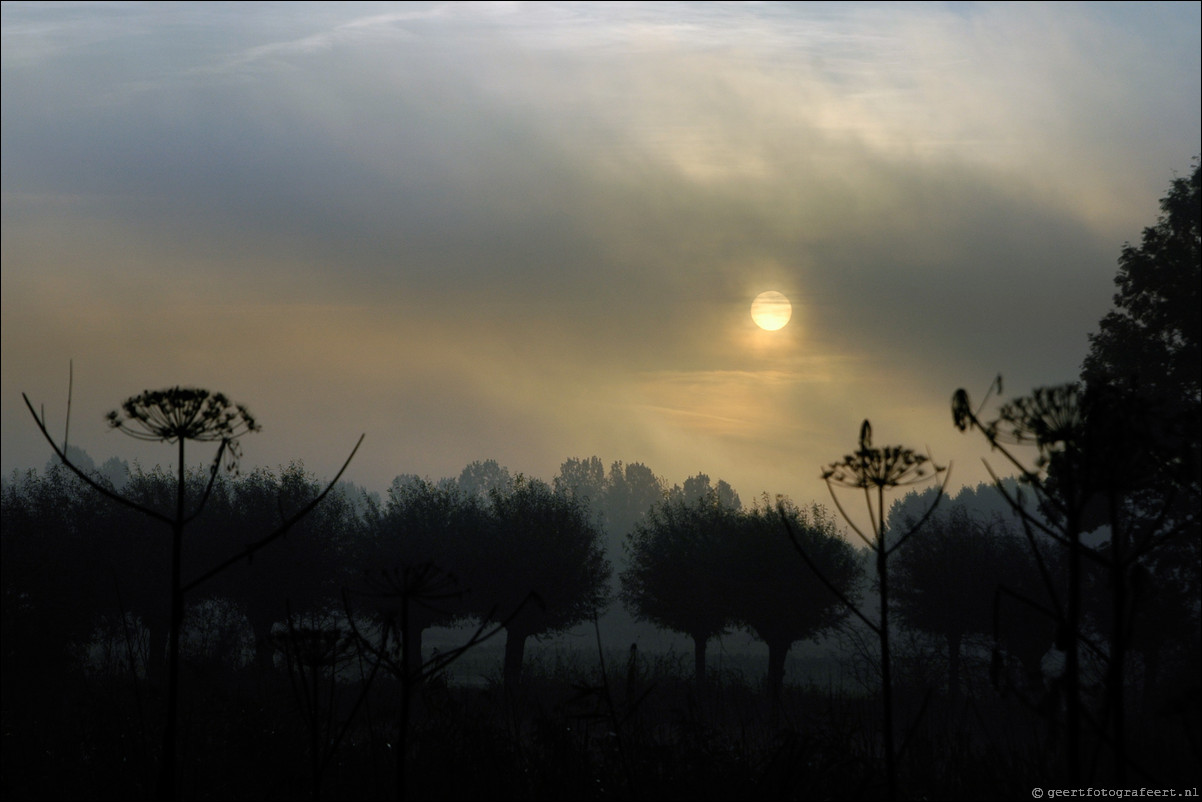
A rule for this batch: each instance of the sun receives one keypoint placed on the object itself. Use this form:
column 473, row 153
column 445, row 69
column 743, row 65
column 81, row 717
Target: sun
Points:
column 771, row 310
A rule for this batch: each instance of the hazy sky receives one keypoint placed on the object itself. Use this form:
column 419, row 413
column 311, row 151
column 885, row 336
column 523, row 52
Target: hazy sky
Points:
column 529, row 232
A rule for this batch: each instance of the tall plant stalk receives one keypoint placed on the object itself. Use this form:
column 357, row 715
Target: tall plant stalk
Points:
column 176, row 415
column 875, row 470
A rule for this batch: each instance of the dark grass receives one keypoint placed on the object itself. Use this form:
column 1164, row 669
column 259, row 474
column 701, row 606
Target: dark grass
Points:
column 568, row 733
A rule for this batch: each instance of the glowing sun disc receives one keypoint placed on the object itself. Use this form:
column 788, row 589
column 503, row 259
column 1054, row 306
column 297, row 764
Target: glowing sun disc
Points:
column 771, row 310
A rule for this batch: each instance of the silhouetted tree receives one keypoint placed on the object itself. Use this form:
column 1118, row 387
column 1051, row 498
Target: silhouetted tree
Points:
column 678, row 575
column 617, row 501
column 583, row 479
column 1015, row 614
column 422, row 524
column 945, row 582
column 631, row 489
column 775, row 594
column 537, row 541
column 481, row 478
column 982, row 503
column 699, row 486
column 1146, row 355
column 1149, row 342
column 305, row 574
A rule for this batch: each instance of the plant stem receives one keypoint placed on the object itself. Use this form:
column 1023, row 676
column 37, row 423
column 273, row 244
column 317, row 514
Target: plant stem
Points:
column 166, row 789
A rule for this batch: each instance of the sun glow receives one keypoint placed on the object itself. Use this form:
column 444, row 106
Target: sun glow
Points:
column 771, row 310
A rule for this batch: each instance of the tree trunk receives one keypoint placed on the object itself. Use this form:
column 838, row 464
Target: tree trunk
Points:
column 953, row 664
column 515, row 649
column 777, row 649
column 699, row 642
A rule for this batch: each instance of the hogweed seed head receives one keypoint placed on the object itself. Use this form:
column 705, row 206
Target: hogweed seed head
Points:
column 891, row 466
column 184, row 413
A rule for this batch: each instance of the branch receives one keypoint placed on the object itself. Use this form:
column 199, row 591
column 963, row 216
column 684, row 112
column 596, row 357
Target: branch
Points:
column 70, row 389
column 381, row 655
column 1026, row 472
column 279, row 532
column 204, row 499
column 440, row 661
column 1055, row 616
column 358, row 702
column 871, row 543
column 40, row 421
column 1155, row 538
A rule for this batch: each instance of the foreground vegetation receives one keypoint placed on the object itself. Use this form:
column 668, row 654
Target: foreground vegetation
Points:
column 639, row 730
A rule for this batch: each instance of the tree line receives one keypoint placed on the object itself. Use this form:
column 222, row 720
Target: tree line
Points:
column 513, row 549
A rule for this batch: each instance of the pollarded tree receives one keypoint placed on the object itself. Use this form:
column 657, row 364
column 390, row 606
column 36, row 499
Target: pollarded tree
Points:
column 306, row 575
column 946, row 580
column 426, row 530
column 678, row 573
column 778, row 596
column 536, row 541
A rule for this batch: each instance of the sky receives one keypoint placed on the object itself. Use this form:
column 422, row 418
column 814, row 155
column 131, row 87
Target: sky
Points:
column 529, row 232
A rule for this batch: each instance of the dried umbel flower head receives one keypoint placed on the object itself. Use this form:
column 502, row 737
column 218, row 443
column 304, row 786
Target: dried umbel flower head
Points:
column 891, row 466
column 1049, row 417
column 184, row 413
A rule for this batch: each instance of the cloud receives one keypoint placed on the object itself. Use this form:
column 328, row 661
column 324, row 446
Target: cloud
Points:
column 533, row 232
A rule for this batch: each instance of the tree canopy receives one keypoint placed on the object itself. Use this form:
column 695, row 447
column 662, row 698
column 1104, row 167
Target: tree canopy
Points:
column 539, row 542
column 946, row 579
column 678, row 574
column 778, row 596
column 1150, row 339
